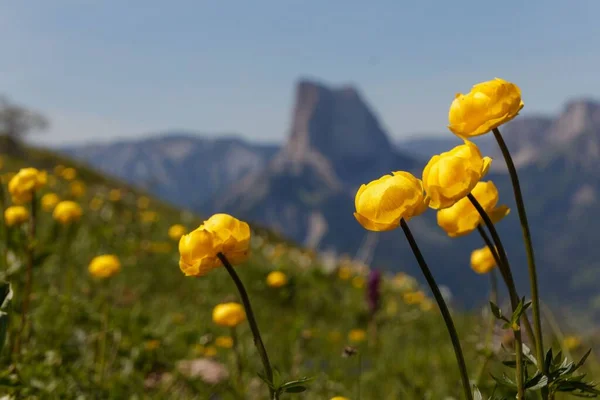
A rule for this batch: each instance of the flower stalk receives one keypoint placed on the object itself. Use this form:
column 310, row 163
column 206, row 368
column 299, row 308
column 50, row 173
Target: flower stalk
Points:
column 535, row 298
column 514, row 298
column 443, row 309
column 252, row 322
column 238, row 357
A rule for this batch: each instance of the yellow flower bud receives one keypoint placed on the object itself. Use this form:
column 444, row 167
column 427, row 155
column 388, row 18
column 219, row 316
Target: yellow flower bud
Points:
column 177, row 231
column 233, row 233
column 49, row 201
column 77, row 189
column 381, row 204
column 224, row 342
column 228, row 314
column 68, row 174
column 24, row 183
column 16, row 215
column 462, row 218
column 482, row 260
column 487, row 106
column 276, row 279
column 198, row 252
column 450, row 176
column 357, row 335
column 104, row 266
column 67, row 212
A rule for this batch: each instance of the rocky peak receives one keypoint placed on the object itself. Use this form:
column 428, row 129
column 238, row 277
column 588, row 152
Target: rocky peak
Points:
column 579, row 116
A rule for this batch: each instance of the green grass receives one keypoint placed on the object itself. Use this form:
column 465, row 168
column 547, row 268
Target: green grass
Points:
column 158, row 318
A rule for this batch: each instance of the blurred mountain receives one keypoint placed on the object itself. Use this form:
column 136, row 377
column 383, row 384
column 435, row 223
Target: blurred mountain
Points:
column 182, row 168
column 305, row 189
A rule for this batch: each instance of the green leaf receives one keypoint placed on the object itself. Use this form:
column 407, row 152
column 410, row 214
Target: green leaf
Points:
column 497, row 311
column 266, row 380
column 6, row 294
column 3, row 328
column 295, row 389
column 519, row 310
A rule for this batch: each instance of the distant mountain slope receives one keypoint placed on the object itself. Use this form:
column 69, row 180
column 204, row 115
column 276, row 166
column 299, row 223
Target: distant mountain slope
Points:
column 184, row 169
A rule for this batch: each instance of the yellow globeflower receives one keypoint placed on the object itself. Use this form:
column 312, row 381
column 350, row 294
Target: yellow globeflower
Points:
column 339, row 398
column 357, row 335
column 104, row 266
column 67, row 212
column 462, row 218
column 344, row 272
column 69, row 174
column 414, row 297
column 571, row 342
column 381, row 204
column 24, row 183
column 234, row 234
column 487, row 106
column 149, row 217
column 450, row 176
column 228, row 314
column 49, row 201
column 177, row 231
column 482, row 260
column 198, row 252
column 114, row 195
column 224, row 342
column 143, row 202
column 77, row 189
column 276, row 279
column 15, row 215
column 210, row 351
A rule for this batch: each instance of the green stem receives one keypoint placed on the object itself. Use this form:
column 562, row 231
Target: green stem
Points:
column 103, row 340
column 507, row 277
column 443, row 309
column 535, row 297
column 252, row 322
column 359, row 375
column 22, row 336
column 490, row 333
column 514, row 298
column 238, row 358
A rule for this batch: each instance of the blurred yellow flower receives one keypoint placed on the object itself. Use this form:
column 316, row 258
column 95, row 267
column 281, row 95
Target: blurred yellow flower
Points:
column 358, row 282
column 59, row 169
column 96, row 203
column 199, row 349
column 77, row 189
column 148, row 217
column 16, row 215
column 104, row 266
column 571, row 342
column 114, row 195
column 482, row 260
column 450, row 176
column 151, row 345
column 357, row 335
column 339, row 398
column 233, row 233
column 224, row 342
column 334, row 336
column 391, row 308
column 228, row 314
column 276, row 279
column 344, row 272
column 177, row 231
column 143, row 202
column 49, row 201
column 210, row 351
column 462, row 218
column 427, row 305
column 67, row 212
column 487, row 106
column 381, row 204
column 22, row 186
column 416, row 297
column 68, row 174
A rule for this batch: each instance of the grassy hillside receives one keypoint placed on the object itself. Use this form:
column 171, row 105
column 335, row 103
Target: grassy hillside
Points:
column 147, row 332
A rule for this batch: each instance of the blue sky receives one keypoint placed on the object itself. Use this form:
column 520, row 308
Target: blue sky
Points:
column 106, row 69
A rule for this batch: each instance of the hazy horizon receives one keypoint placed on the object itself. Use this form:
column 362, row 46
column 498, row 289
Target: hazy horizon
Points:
column 106, row 71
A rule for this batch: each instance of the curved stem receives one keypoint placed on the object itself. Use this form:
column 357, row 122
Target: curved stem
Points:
column 514, row 298
column 443, row 309
column 490, row 333
column 251, row 321
column 535, row 297
column 503, row 271
column 238, row 358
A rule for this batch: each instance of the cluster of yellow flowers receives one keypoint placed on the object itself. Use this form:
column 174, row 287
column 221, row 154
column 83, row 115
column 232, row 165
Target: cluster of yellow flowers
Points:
column 23, row 185
column 221, row 233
